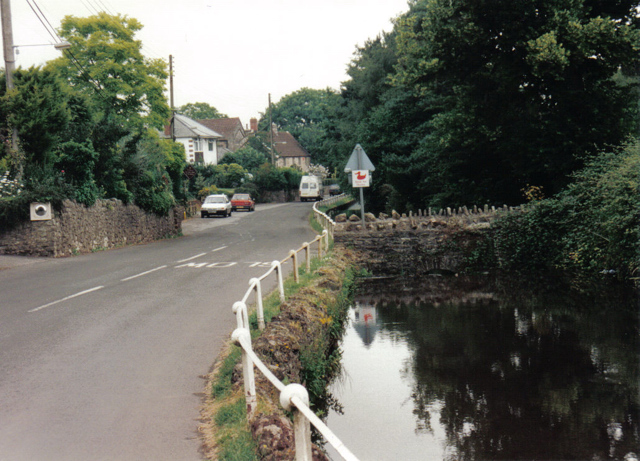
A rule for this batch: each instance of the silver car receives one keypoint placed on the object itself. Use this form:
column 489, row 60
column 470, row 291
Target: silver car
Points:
column 216, row 205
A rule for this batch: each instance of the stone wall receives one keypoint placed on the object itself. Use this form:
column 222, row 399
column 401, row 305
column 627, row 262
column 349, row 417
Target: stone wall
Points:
column 416, row 245
column 78, row 229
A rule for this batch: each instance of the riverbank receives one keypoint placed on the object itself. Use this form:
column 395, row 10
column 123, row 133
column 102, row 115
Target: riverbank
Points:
column 299, row 345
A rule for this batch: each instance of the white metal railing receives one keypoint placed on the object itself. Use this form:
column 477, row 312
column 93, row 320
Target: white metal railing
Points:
column 325, row 221
column 293, row 397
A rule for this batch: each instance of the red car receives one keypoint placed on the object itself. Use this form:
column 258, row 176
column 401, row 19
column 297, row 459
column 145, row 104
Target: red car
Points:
column 242, row 202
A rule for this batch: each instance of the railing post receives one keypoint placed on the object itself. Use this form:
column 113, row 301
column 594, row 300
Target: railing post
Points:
column 325, row 234
column 242, row 338
column 294, row 255
column 242, row 318
column 278, row 267
column 260, row 310
column 301, row 425
column 305, row 245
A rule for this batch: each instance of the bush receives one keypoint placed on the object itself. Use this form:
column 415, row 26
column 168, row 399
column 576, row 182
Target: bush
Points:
column 76, row 163
column 208, row 190
column 590, row 227
column 154, row 195
column 270, row 178
column 38, row 188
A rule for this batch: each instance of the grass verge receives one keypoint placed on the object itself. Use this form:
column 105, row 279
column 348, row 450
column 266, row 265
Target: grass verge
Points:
column 225, row 430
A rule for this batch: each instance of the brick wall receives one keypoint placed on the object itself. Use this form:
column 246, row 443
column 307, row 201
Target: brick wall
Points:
column 78, row 229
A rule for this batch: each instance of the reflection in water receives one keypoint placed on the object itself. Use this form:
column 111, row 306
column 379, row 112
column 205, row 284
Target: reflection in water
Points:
column 499, row 372
column 365, row 322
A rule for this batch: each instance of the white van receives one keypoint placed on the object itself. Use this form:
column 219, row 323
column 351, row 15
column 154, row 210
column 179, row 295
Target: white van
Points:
column 310, row 188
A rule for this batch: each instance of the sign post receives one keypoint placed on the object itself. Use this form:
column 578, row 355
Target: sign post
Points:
column 360, row 168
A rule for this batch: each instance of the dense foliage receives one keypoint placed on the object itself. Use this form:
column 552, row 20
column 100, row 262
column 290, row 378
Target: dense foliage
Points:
column 305, row 114
column 200, row 111
column 592, row 226
column 519, row 96
column 87, row 123
column 471, row 101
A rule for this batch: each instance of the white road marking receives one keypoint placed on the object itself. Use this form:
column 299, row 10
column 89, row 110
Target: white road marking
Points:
column 218, row 249
column 223, row 264
column 142, row 273
column 192, row 265
column 192, row 257
column 68, row 297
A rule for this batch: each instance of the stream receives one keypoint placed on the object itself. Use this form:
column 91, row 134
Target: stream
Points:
column 470, row 368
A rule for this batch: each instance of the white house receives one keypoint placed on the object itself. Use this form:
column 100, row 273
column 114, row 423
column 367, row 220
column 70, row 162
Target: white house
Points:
column 200, row 143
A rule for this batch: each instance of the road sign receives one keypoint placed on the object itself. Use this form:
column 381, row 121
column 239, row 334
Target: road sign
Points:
column 361, row 167
column 360, row 178
column 190, row 172
column 359, row 161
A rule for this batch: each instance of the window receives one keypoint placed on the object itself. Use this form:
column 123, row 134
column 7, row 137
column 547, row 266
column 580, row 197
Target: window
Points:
column 210, row 145
column 197, row 145
column 199, row 157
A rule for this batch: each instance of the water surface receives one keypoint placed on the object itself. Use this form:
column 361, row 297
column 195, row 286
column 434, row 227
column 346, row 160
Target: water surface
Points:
column 469, row 369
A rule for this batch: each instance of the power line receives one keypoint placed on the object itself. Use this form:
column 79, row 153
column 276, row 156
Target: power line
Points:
column 49, row 29
column 105, row 7
column 87, row 6
column 46, row 19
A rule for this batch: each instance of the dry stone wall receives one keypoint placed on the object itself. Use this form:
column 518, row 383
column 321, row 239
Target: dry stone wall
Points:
column 418, row 244
column 78, row 229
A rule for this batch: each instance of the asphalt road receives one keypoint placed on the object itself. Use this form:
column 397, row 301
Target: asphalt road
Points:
column 103, row 355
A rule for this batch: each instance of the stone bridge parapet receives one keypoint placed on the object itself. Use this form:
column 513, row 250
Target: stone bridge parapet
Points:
column 447, row 241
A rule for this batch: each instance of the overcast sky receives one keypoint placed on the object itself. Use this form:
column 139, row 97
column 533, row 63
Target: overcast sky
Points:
column 229, row 53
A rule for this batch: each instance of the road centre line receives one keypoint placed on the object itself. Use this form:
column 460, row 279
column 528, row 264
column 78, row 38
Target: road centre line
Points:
column 142, row 273
column 218, row 249
column 192, row 257
column 90, row 290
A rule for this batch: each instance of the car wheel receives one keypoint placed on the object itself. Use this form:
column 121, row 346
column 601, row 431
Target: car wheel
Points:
column 230, row 213
column 202, row 215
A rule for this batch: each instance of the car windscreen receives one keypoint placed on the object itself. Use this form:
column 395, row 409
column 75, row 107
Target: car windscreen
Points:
column 240, row 197
column 214, row 200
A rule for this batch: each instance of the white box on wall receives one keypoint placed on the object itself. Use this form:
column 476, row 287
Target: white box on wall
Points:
column 41, row 211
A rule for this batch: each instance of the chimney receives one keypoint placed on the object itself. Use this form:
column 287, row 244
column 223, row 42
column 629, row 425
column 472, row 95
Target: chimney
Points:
column 254, row 124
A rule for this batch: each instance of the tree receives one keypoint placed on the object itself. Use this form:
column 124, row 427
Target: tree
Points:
column 389, row 121
column 524, row 94
column 270, row 178
column 76, row 162
column 247, row 157
column 153, row 171
column 124, row 96
column 200, row 111
column 105, row 62
column 37, row 106
column 304, row 114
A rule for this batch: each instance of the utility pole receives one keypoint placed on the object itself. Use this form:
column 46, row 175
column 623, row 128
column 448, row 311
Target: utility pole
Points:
column 10, row 66
column 171, row 80
column 7, row 38
column 173, row 111
column 273, row 156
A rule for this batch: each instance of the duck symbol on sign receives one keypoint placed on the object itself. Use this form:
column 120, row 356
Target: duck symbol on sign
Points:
column 361, row 175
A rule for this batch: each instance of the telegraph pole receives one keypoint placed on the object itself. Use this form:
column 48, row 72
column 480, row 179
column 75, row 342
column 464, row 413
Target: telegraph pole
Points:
column 273, row 157
column 7, row 38
column 9, row 67
column 171, row 80
column 173, row 111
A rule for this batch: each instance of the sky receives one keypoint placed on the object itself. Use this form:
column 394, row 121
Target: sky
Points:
column 230, row 54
